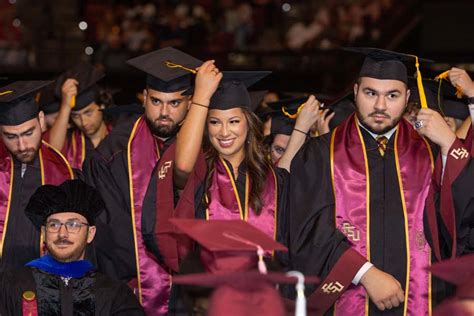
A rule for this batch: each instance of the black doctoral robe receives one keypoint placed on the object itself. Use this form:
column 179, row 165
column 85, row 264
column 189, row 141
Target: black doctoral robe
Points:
column 316, row 246
column 93, row 294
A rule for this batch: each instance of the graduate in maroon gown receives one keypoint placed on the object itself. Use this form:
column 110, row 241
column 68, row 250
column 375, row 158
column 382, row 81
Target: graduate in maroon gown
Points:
column 26, row 162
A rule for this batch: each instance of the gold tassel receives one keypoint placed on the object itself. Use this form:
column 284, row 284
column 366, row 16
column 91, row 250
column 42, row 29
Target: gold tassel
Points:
column 38, row 97
column 444, row 75
column 6, row 92
column 419, row 83
column 170, row 64
column 292, row 116
column 73, row 102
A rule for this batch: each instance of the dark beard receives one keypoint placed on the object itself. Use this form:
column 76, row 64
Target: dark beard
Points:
column 380, row 131
column 162, row 131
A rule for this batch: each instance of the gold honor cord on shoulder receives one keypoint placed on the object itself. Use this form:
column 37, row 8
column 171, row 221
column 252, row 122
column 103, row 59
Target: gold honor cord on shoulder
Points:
column 405, row 220
column 132, row 207
column 292, row 116
column 430, row 281
column 7, row 213
column 444, row 75
column 367, row 197
column 171, row 64
column 40, row 154
column 83, row 146
column 243, row 212
column 6, row 92
column 331, row 166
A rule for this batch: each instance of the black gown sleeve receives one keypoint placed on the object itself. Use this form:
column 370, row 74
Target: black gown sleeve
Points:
column 463, row 198
column 282, row 229
column 115, row 298
column 9, row 302
column 12, row 286
column 114, row 244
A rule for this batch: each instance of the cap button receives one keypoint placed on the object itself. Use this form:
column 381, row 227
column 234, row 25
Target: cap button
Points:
column 29, row 296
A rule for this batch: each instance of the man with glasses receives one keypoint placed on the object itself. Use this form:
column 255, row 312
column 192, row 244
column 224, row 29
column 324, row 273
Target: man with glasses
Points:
column 62, row 282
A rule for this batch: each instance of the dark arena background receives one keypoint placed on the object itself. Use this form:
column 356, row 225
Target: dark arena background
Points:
column 298, row 40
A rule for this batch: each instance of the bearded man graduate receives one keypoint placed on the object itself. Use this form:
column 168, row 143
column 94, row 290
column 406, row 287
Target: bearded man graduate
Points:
column 357, row 197
column 125, row 169
column 62, row 282
column 26, row 162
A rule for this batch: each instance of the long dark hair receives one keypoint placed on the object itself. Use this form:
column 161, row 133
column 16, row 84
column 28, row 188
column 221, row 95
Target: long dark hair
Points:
column 257, row 164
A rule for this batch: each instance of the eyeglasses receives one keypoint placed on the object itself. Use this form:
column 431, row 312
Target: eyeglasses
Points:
column 72, row 227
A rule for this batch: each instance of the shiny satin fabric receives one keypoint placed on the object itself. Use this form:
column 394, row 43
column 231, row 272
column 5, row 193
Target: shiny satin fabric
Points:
column 350, row 173
column 76, row 152
column 154, row 281
column 54, row 170
column 225, row 205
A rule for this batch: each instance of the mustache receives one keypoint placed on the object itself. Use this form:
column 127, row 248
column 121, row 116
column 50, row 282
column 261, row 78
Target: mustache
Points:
column 62, row 242
column 379, row 113
column 164, row 117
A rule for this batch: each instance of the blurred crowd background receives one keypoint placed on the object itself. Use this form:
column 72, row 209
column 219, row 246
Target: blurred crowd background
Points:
column 298, row 39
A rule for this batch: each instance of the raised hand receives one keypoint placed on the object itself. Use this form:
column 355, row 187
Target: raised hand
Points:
column 431, row 124
column 322, row 125
column 207, row 81
column 68, row 91
column 460, row 78
column 308, row 115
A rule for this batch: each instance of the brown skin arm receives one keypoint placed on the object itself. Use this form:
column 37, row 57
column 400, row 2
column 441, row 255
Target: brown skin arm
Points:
column 189, row 138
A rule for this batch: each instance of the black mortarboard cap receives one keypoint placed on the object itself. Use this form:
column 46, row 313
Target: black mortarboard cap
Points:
column 343, row 107
column 289, row 105
column 440, row 97
column 70, row 196
column 18, row 103
column 48, row 101
column 281, row 123
column 117, row 110
column 384, row 64
column 168, row 69
column 87, row 90
column 232, row 91
column 256, row 97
